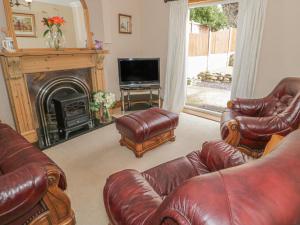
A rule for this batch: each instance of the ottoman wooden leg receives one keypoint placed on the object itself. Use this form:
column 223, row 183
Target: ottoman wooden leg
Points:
column 173, row 139
column 122, row 143
column 139, row 150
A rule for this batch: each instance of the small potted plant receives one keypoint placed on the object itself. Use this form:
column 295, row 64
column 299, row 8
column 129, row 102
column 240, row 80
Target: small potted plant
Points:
column 101, row 105
column 53, row 33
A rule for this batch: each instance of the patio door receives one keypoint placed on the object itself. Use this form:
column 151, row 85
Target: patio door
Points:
column 212, row 43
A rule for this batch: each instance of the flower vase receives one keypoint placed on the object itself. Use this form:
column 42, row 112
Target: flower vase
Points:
column 55, row 40
column 105, row 117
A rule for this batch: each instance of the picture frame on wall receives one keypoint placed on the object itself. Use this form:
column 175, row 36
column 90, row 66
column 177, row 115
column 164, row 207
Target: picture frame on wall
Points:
column 24, row 24
column 125, row 24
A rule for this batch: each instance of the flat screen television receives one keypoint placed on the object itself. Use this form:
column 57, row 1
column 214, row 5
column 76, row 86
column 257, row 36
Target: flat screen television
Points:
column 139, row 72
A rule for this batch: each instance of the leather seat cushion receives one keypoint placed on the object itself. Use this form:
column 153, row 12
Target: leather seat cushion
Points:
column 144, row 125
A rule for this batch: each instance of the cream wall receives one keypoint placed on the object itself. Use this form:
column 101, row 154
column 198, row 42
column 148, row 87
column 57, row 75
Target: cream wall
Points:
column 120, row 45
column 149, row 37
column 96, row 18
column 155, row 32
column 281, row 45
column 150, row 19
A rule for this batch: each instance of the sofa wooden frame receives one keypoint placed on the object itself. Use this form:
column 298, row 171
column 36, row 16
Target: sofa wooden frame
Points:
column 57, row 202
column 234, row 136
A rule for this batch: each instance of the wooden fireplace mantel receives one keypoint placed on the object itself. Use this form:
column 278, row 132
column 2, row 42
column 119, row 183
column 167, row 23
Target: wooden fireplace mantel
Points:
column 16, row 66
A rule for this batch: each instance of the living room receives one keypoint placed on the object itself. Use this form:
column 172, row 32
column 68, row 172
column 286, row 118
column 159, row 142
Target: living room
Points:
column 94, row 175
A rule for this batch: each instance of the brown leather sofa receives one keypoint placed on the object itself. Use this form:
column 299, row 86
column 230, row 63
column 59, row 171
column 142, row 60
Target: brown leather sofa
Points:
column 31, row 185
column 212, row 187
column 250, row 123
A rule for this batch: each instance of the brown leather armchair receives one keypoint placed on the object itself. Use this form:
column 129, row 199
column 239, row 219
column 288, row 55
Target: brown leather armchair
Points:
column 250, row 123
column 31, row 185
column 217, row 186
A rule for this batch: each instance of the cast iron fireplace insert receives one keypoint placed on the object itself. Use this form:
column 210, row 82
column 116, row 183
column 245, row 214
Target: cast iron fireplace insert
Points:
column 72, row 113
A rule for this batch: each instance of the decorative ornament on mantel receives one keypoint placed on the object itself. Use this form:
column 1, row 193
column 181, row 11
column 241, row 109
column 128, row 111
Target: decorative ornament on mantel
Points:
column 98, row 45
column 54, row 35
column 26, row 3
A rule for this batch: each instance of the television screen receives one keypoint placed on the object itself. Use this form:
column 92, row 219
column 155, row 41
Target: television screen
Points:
column 139, row 71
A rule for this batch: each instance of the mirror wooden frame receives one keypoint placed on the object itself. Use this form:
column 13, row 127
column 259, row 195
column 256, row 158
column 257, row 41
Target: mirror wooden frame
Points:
column 11, row 30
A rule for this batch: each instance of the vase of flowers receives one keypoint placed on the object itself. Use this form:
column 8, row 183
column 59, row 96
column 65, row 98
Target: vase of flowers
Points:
column 53, row 34
column 101, row 105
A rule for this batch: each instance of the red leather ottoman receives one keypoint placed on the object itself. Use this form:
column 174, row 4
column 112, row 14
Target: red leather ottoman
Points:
column 145, row 130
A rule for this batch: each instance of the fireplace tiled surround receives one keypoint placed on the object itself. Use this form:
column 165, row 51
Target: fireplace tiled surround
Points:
column 40, row 82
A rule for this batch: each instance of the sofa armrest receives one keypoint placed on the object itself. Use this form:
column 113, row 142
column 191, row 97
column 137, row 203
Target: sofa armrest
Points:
column 249, row 107
column 20, row 190
column 129, row 198
column 218, row 155
column 262, row 128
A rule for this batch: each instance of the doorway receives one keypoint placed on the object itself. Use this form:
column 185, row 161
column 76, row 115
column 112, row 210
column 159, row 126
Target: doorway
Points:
column 212, row 44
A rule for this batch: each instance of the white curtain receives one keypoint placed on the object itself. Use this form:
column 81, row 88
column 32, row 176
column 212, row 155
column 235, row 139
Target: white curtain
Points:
column 175, row 82
column 250, row 31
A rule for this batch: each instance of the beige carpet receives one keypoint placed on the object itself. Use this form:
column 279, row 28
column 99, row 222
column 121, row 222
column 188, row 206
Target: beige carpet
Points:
column 91, row 158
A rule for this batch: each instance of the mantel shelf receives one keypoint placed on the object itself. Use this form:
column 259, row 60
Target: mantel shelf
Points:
column 45, row 52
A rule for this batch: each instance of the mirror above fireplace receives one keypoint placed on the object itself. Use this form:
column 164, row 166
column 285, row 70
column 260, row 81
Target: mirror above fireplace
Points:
column 41, row 24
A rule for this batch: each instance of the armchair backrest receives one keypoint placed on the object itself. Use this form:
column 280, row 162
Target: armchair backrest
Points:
column 282, row 96
column 288, row 86
column 15, row 152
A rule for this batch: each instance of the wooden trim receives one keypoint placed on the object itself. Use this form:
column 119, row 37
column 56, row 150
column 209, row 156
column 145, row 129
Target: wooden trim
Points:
column 234, row 135
column 193, row 2
column 250, row 152
column 140, row 148
column 43, row 52
column 11, row 30
column 57, row 202
column 205, row 115
column 230, row 104
column 9, row 22
column 90, row 44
